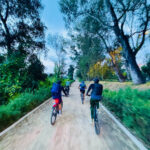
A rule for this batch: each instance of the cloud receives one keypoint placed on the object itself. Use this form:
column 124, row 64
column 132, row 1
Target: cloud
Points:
column 49, row 65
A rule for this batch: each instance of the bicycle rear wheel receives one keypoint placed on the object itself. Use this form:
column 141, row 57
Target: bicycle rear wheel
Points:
column 82, row 98
column 96, row 122
column 53, row 116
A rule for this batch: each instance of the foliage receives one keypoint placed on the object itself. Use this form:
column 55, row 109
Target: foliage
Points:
column 26, row 101
column 102, row 70
column 86, row 53
column 21, row 26
column 21, row 37
column 70, row 72
column 18, row 74
column 132, row 107
column 146, row 69
column 22, row 104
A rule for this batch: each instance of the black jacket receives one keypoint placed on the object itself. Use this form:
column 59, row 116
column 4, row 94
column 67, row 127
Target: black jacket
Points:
column 96, row 88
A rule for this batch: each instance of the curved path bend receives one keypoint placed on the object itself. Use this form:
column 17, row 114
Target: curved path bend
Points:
column 72, row 130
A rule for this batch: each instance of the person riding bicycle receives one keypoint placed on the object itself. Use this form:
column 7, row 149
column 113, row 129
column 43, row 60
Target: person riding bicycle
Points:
column 67, row 87
column 82, row 88
column 57, row 94
column 96, row 96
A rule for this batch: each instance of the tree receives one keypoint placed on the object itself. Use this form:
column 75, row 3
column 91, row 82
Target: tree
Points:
column 116, row 62
column 20, row 26
column 146, row 70
column 35, row 72
column 102, row 70
column 59, row 44
column 119, row 20
column 87, row 51
column 71, row 72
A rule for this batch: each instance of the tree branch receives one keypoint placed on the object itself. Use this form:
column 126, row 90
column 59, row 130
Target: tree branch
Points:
column 144, row 31
column 98, row 20
column 7, row 10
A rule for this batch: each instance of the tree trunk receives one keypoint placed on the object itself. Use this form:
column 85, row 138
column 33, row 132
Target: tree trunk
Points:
column 135, row 72
column 127, row 70
column 118, row 73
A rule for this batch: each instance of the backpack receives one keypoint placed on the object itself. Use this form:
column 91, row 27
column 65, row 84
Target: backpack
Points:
column 82, row 86
column 55, row 90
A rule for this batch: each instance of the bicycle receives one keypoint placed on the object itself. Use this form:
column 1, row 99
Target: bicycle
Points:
column 67, row 89
column 55, row 112
column 96, row 120
column 82, row 97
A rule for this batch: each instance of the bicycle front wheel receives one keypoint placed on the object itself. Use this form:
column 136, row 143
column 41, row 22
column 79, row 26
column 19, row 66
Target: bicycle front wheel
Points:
column 53, row 116
column 97, row 127
column 96, row 122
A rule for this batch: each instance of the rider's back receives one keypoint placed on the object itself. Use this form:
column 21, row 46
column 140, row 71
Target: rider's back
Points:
column 56, row 91
column 96, row 89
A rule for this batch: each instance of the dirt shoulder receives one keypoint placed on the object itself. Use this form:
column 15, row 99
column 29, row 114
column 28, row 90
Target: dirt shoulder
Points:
column 117, row 85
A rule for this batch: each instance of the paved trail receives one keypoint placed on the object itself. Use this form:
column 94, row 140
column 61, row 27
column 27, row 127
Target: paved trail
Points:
column 71, row 132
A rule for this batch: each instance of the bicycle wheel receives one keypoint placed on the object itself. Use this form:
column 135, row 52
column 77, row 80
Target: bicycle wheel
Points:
column 96, row 122
column 97, row 127
column 53, row 115
column 82, row 98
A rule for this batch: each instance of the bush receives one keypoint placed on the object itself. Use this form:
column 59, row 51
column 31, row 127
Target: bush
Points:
column 133, row 108
column 19, row 106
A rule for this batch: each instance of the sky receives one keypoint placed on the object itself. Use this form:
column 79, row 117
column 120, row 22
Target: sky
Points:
column 53, row 20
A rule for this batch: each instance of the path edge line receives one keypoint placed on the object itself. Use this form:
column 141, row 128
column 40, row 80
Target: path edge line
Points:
column 125, row 130
column 22, row 118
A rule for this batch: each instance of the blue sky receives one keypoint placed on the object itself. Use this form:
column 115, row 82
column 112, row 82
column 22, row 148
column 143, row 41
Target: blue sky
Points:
column 52, row 16
column 53, row 20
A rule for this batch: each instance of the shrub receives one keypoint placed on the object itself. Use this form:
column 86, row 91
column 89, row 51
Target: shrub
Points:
column 133, row 108
column 20, row 105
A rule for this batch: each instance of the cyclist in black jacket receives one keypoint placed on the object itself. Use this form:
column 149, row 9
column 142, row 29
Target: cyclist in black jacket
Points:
column 96, row 95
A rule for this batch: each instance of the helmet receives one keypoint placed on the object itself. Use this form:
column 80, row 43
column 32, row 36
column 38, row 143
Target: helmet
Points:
column 59, row 81
column 96, row 80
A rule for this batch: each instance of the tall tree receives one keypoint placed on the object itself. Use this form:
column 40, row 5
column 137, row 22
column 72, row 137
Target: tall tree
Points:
column 87, row 51
column 59, row 45
column 71, row 72
column 21, row 26
column 121, row 20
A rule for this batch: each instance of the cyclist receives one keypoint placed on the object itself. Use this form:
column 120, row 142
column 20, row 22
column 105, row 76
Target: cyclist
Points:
column 82, row 88
column 67, row 87
column 56, row 94
column 96, row 96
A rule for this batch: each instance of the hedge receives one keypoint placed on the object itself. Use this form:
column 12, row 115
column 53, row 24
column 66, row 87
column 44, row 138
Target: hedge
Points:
column 133, row 108
column 21, row 105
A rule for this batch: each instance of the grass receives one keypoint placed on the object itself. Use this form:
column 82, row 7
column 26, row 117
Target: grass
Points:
column 117, row 85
